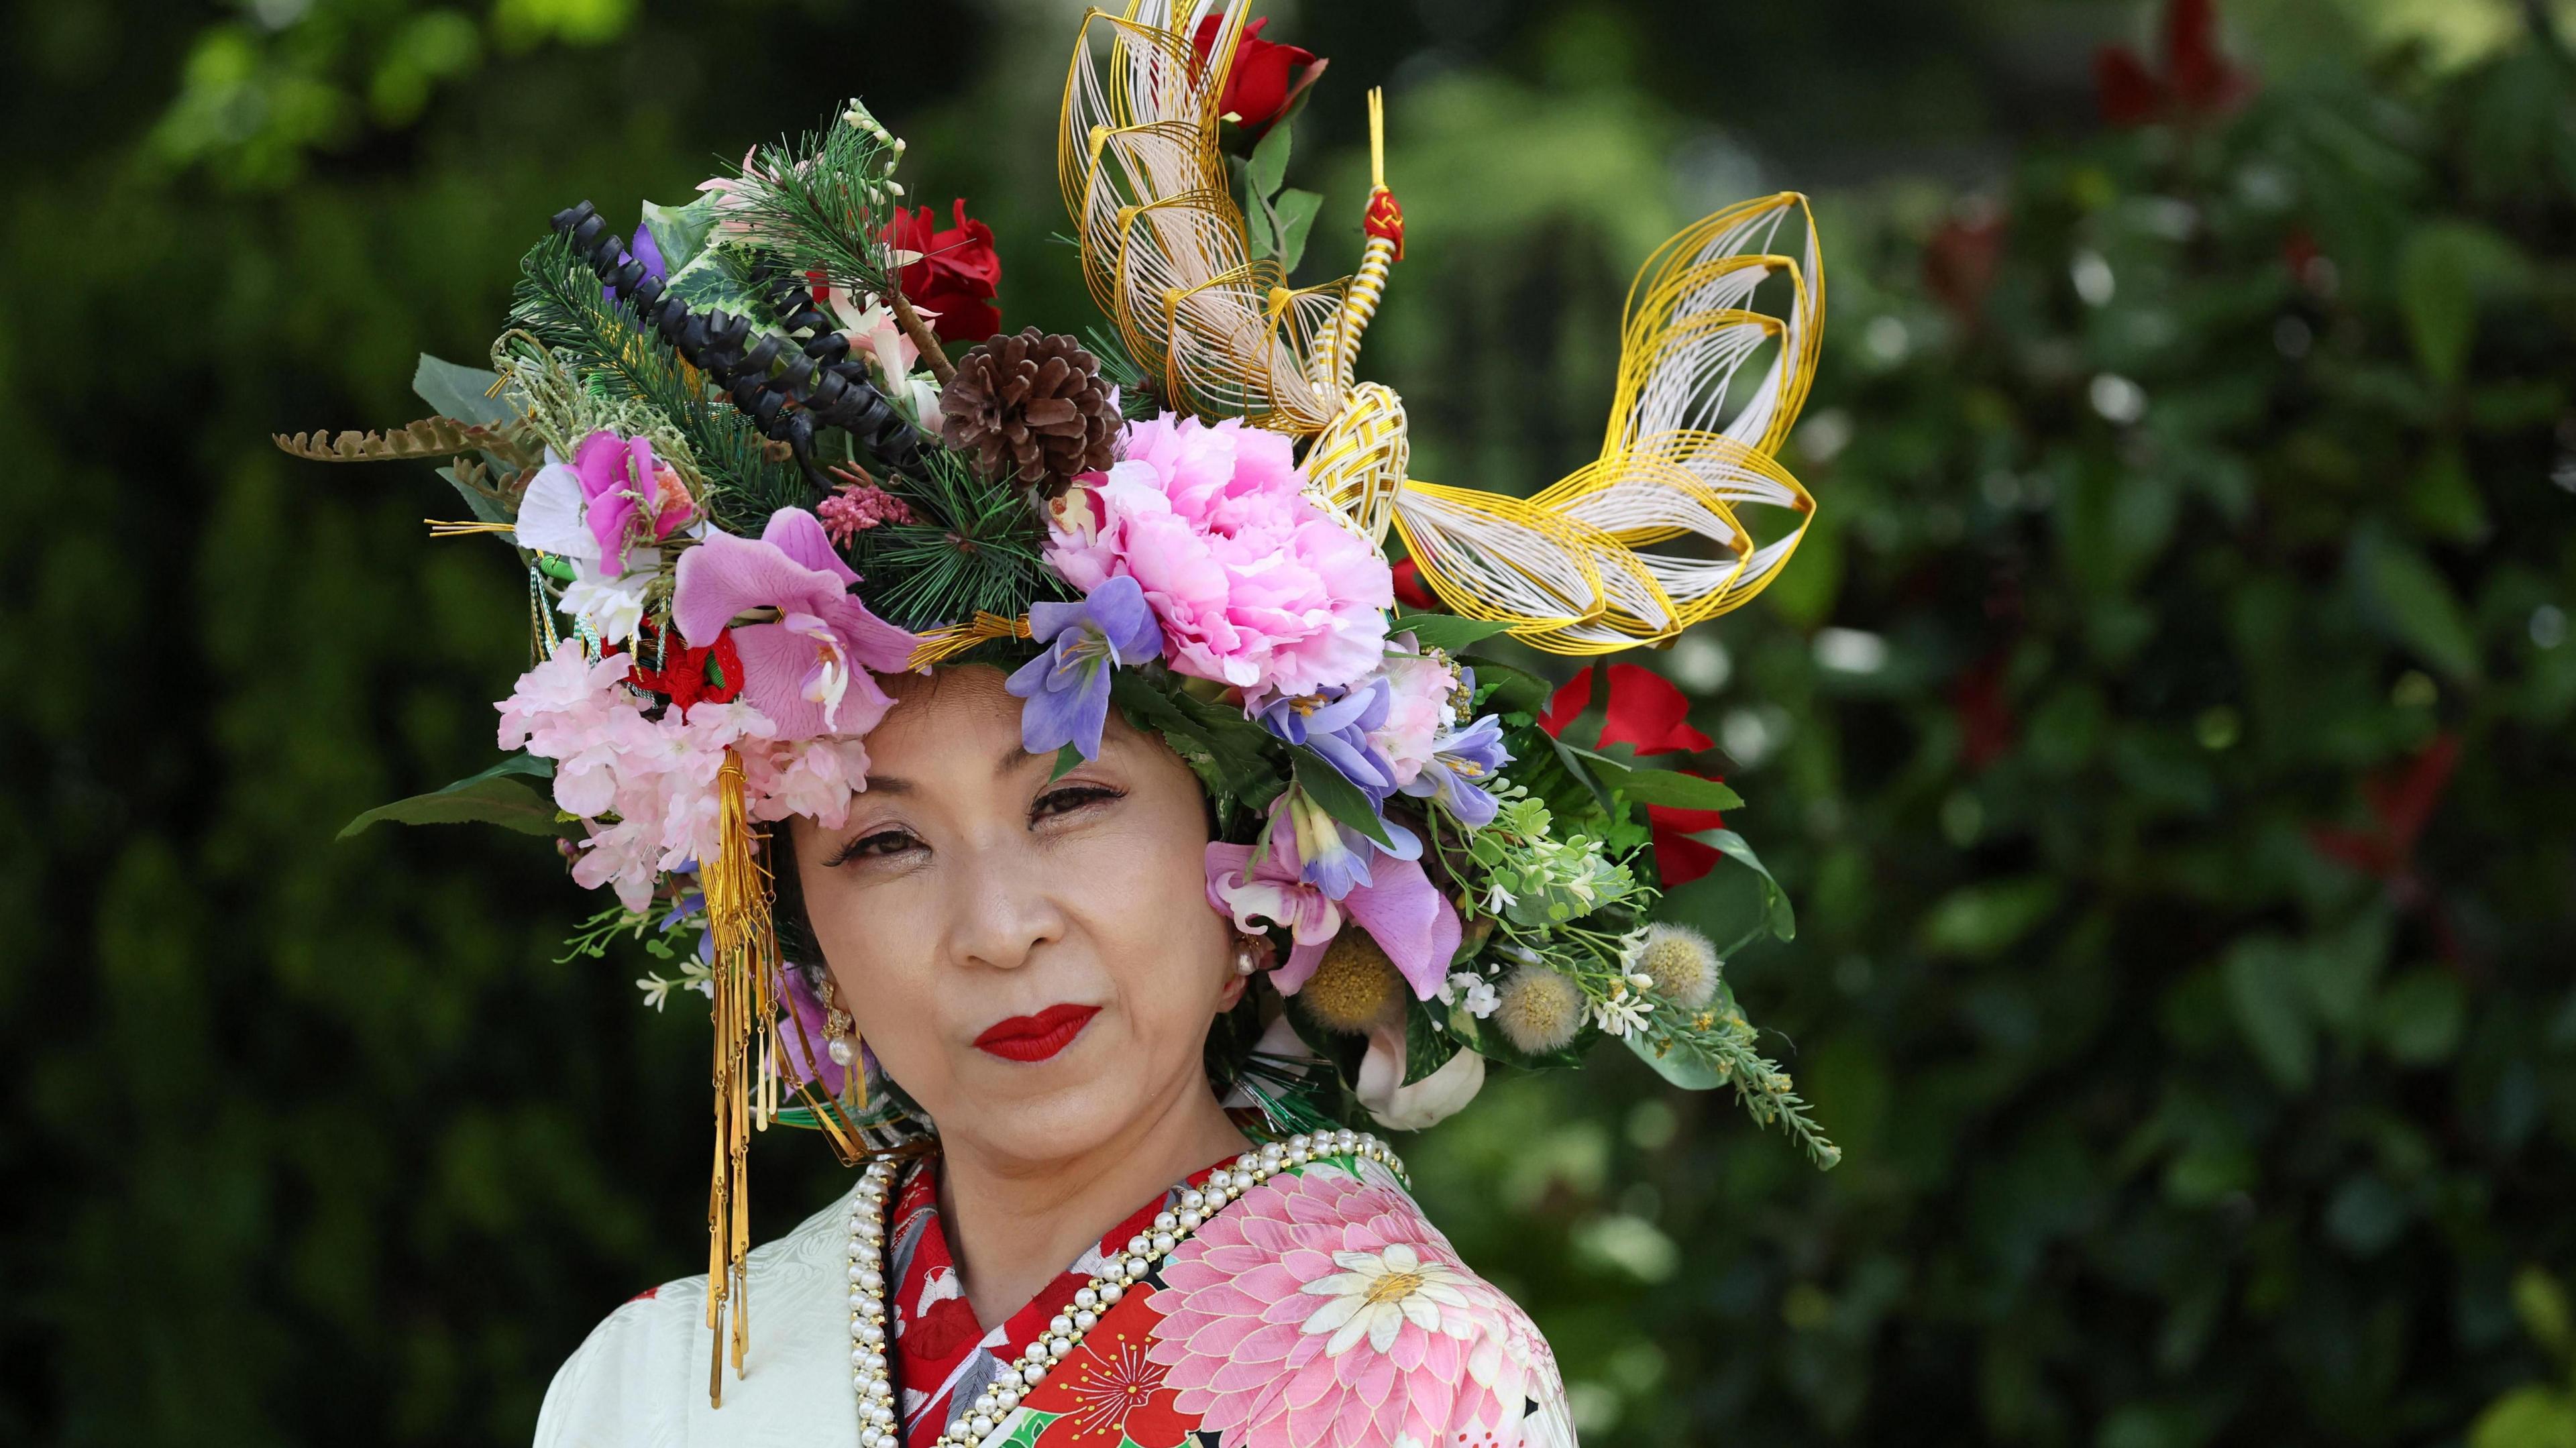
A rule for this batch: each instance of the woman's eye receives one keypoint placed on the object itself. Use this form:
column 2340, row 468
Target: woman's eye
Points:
column 874, row 846
column 1070, row 798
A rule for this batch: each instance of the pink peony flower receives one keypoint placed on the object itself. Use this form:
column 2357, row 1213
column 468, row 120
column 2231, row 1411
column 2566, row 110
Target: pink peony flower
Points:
column 1323, row 1311
column 1254, row 586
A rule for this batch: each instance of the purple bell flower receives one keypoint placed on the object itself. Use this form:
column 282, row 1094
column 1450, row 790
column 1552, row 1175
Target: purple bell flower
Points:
column 1067, row 687
column 1337, row 727
column 1460, row 760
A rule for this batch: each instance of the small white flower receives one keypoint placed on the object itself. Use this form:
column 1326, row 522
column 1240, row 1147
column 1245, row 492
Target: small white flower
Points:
column 1622, row 1012
column 1478, row 993
column 1498, row 899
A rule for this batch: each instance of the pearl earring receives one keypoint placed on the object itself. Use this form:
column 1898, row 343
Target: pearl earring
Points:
column 1249, row 953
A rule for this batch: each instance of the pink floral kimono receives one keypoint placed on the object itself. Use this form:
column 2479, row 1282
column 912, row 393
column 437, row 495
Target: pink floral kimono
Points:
column 1319, row 1310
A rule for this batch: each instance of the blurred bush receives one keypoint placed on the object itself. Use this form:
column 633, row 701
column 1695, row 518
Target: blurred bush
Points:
column 2165, row 730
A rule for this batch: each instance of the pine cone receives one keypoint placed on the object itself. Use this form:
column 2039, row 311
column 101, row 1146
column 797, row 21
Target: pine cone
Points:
column 1031, row 408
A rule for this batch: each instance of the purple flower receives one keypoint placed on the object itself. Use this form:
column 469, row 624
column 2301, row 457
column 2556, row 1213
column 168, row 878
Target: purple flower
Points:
column 1460, row 760
column 642, row 249
column 1336, row 725
column 1336, row 856
column 1067, row 687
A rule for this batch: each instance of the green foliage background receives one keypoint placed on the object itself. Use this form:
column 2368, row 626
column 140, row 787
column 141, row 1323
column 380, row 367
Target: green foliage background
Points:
column 2204, row 1050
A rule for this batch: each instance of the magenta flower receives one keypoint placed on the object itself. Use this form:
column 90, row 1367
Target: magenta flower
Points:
column 1254, row 585
column 808, row 671
column 619, row 479
column 1410, row 920
column 1323, row 1311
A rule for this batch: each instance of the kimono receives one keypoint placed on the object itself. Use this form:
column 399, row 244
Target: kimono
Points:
column 1319, row 1310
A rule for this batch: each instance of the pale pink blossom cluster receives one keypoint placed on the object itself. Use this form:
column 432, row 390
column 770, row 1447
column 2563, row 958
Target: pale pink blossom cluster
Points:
column 856, row 508
column 1254, row 585
column 1422, row 687
column 646, row 788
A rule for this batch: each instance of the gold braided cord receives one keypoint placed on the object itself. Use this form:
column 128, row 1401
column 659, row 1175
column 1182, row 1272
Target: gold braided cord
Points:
column 745, row 950
column 950, row 640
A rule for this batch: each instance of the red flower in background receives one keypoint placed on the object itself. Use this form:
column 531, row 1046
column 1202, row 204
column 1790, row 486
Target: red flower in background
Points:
column 1409, row 588
column 1265, row 76
column 1961, row 260
column 2198, row 83
column 2401, row 803
column 1646, row 710
column 1679, row 859
column 957, row 276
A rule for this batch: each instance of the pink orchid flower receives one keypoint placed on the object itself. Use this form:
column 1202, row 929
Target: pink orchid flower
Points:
column 1411, row 921
column 810, row 670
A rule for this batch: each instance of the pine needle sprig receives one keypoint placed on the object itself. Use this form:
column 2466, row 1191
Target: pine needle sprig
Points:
column 972, row 547
column 821, row 203
column 559, row 302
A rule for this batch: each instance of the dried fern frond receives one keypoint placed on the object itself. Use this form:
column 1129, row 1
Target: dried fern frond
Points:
column 431, row 437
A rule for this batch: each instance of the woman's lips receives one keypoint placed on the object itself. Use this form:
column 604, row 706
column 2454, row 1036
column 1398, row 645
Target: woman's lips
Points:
column 1034, row 1038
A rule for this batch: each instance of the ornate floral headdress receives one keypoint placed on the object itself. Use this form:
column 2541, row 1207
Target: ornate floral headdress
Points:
column 746, row 479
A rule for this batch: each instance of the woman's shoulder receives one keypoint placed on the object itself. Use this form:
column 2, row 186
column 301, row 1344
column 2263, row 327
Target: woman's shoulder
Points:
column 1330, row 1275
column 640, row 1378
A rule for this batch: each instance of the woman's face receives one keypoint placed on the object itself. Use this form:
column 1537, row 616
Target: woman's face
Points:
column 1034, row 960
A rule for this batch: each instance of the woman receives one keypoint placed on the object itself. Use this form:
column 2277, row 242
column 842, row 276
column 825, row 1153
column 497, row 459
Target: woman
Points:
column 1033, row 960
column 1127, row 839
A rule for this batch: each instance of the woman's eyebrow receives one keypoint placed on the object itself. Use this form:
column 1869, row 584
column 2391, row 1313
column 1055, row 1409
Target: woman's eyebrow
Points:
column 886, row 784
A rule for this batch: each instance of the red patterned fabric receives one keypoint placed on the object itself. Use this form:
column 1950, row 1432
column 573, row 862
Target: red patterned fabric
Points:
column 942, row 1355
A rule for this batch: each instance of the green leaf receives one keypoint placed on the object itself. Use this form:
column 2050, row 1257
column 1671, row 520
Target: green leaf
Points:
column 1269, row 164
column 2419, row 1017
column 2415, row 603
column 2542, row 1305
column 1065, row 759
column 1983, row 921
column 2440, row 274
column 680, row 232
column 492, row 797
column 1427, row 1047
column 2527, row 1417
column 1674, row 1061
column 2270, row 1004
column 1783, row 919
column 1672, row 788
column 1504, row 687
column 1293, row 213
column 1448, row 630
column 1335, row 795
column 461, row 392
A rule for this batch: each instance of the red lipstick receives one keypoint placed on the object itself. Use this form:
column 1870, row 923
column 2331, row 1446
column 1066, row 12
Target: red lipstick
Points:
column 1035, row 1038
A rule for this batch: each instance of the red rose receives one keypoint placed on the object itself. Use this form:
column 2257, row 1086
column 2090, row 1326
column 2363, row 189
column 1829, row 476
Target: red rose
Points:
column 1263, row 77
column 955, row 279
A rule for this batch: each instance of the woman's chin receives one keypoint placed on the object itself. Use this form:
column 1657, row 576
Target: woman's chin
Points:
column 1045, row 1110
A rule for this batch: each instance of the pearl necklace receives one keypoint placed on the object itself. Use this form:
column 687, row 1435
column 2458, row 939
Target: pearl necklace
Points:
column 869, row 1335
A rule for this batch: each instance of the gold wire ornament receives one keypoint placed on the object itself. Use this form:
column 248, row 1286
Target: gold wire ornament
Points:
column 1687, row 512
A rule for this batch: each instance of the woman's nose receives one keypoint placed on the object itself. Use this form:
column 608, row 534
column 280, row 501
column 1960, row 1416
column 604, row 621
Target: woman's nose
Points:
column 1006, row 908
